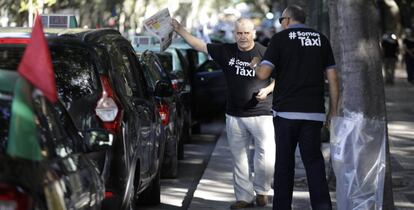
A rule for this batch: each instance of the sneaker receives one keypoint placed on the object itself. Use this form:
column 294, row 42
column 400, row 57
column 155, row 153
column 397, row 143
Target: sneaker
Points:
column 261, row 200
column 241, row 205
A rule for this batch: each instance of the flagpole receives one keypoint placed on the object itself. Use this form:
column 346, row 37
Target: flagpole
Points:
column 30, row 13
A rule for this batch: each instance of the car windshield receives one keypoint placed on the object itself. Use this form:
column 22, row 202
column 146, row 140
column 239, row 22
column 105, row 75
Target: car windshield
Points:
column 73, row 66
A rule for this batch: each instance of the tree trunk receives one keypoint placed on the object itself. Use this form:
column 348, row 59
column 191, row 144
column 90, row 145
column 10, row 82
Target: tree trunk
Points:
column 355, row 37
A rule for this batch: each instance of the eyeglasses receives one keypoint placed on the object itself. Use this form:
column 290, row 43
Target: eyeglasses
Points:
column 282, row 18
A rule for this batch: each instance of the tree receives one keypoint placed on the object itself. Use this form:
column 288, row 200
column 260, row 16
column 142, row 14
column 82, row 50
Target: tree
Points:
column 355, row 37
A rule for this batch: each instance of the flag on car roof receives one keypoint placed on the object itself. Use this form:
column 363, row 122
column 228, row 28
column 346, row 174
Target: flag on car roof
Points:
column 23, row 137
column 36, row 64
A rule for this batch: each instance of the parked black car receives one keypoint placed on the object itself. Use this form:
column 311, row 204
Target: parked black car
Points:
column 98, row 98
column 135, row 177
column 174, row 112
column 176, row 66
column 80, row 87
column 63, row 177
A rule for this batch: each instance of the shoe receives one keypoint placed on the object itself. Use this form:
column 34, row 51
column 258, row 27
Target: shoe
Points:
column 261, row 200
column 241, row 205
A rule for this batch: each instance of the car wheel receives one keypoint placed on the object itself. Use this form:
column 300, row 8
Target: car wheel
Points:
column 170, row 161
column 196, row 128
column 152, row 195
column 180, row 149
column 186, row 134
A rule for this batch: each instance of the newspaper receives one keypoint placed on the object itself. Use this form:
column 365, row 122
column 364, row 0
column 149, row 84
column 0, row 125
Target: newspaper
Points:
column 160, row 26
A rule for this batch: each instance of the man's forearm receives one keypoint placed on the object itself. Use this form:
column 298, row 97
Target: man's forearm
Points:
column 271, row 86
column 263, row 71
column 333, row 92
column 196, row 43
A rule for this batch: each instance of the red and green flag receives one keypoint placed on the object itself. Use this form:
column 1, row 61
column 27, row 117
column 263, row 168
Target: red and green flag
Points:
column 36, row 68
column 36, row 64
column 23, row 137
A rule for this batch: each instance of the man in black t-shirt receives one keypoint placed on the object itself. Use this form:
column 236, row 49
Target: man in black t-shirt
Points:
column 297, row 58
column 248, row 111
column 409, row 54
column 389, row 45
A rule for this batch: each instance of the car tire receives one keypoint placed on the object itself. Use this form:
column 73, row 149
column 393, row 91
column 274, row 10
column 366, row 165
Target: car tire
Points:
column 170, row 161
column 186, row 134
column 196, row 128
column 152, row 195
column 180, row 150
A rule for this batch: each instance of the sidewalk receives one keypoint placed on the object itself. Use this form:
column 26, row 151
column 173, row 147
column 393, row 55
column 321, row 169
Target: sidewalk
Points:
column 215, row 189
column 400, row 114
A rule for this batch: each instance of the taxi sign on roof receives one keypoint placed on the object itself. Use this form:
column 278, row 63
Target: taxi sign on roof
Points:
column 59, row 21
column 139, row 41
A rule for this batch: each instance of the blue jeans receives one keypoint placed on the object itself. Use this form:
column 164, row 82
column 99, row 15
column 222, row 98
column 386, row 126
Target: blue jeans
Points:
column 308, row 134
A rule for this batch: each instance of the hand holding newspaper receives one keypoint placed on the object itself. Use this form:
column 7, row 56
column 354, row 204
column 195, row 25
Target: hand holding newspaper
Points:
column 160, row 26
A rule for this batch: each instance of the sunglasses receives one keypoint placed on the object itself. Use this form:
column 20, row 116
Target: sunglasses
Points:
column 282, row 18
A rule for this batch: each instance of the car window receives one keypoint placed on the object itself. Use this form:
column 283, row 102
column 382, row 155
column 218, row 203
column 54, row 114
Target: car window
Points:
column 143, row 86
column 156, row 63
column 76, row 72
column 10, row 56
column 119, row 72
column 152, row 70
column 166, row 61
column 133, row 71
column 183, row 61
column 73, row 66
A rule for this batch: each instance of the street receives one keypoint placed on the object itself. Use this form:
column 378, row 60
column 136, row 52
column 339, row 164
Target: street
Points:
column 177, row 193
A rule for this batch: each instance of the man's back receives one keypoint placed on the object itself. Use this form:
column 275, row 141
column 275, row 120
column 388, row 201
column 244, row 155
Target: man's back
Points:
column 300, row 56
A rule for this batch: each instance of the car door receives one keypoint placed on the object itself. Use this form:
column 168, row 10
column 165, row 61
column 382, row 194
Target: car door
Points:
column 147, row 103
column 142, row 104
column 209, row 89
column 68, row 166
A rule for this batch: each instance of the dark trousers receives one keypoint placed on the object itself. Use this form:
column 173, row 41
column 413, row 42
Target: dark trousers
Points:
column 409, row 65
column 308, row 134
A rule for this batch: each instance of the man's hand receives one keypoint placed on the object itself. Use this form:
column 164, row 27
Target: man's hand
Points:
column 263, row 92
column 255, row 61
column 176, row 25
column 262, row 95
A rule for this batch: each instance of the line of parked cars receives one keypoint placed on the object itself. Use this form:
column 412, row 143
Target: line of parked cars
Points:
column 122, row 118
column 109, row 118
column 199, row 80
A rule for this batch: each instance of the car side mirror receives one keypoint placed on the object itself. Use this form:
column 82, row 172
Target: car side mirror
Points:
column 163, row 89
column 97, row 140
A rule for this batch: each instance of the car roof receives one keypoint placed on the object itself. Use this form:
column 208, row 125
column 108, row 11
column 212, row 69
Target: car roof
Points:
column 24, row 32
column 81, row 33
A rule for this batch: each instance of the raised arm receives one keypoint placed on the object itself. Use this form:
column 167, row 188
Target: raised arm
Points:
column 196, row 43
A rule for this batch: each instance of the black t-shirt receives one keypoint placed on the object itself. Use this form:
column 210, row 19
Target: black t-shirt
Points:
column 409, row 44
column 300, row 56
column 241, row 80
column 390, row 48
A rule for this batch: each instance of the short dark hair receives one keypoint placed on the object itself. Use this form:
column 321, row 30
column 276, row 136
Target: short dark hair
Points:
column 297, row 13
